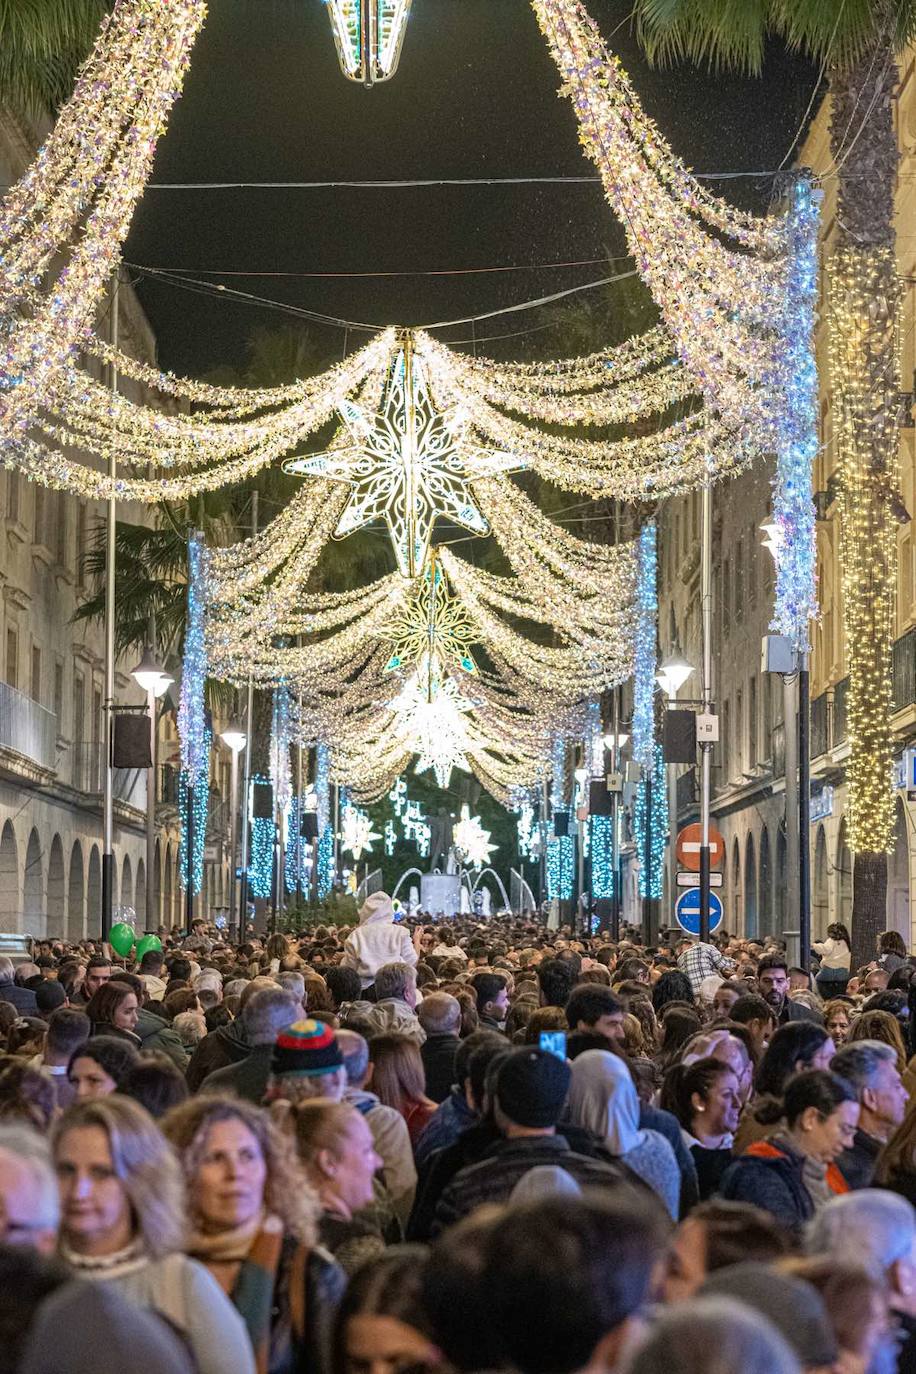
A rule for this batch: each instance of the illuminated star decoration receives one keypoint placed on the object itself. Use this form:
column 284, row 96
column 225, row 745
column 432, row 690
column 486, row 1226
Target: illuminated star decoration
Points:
column 357, row 835
column 409, row 465
column 472, row 840
column 368, row 35
column 431, row 718
column 431, row 622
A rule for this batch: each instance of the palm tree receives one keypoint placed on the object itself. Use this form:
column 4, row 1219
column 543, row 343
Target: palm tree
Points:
column 857, row 42
column 42, row 45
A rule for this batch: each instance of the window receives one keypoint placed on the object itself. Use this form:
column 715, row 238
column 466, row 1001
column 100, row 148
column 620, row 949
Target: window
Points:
column 739, row 581
column 727, row 595
column 59, row 693
column 40, row 536
column 96, row 715
column 12, row 658
column 12, row 495
column 767, row 688
column 739, row 732
column 82, row 531
column 60, row 530
column 35, row 683
column 79, row 708
column 752, row 569
column 726, row 742
column 752, row 723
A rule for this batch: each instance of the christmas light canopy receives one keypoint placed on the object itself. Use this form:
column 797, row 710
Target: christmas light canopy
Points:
column 368, row 36
column 409, row 465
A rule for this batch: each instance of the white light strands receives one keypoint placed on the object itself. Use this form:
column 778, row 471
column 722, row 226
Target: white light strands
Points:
column 431, row 718
column 368, row 36
column 408, row 465
column 356, row 834
column 646, row 635
column 471, row 840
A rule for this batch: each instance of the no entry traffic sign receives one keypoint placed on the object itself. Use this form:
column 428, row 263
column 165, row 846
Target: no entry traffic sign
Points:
column 688, row 847
column 687, row 911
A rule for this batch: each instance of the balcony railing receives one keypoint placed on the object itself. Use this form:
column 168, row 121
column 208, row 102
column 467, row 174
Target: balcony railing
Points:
column 903, row 671
column 819, row 726
column 840, row 692
column 27, row 728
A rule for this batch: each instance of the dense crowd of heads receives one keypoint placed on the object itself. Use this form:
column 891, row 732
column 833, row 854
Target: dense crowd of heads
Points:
column 454, row 1146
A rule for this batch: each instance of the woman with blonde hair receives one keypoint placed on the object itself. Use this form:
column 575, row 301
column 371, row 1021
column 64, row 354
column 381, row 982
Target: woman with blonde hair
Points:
column 253, row 1224
column 399, row 1080
column 336, row 1148
column 879, row 1025
column 123, row 1221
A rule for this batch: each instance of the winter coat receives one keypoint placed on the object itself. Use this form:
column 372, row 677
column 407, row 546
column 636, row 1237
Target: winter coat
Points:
column 393, row 1017
column 158, row 1034
column 774, row 1180
column 246, row 1079
column 375, row 942
column 226, row 1045
column 438, row 1055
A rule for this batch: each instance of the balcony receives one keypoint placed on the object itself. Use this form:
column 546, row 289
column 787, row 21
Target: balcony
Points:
column 27, row 728
column 903, row 671
column 819, row 726
column 840, row 693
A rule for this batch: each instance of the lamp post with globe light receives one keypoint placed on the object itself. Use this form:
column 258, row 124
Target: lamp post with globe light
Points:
column 152, row 679
column 673, row 672
column 235, row 740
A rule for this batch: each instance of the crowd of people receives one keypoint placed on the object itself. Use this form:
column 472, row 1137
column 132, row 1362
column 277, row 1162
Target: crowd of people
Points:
column 455, row 1147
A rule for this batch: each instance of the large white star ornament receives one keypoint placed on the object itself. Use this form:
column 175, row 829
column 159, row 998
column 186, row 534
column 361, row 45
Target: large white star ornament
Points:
column 470, row 838
column 357, row 836
column 408, row 465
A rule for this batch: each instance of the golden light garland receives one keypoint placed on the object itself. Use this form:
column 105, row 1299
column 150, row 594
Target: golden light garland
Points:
column 864, row 432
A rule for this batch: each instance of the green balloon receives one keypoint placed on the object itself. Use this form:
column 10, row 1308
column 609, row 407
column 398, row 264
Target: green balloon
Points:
column 121, row 938
column 146, row 944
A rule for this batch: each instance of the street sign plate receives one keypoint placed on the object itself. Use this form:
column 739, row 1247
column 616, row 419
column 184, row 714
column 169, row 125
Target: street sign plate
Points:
column 687, row 911
column 688, row 847
column 693, row 879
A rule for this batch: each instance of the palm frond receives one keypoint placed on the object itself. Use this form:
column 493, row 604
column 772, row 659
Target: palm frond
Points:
column 43, row 43
column 721, row 34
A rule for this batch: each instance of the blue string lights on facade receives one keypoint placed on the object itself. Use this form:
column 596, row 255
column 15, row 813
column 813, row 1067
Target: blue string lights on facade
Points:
column 796, row 440
column 325, row 862
column 645, row 655
column 651, row 814
column 561, row 867
column 298, row 849
column 193, row 730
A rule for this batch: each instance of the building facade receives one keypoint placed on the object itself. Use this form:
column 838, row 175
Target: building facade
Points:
column 748, row 805
column 52, row 688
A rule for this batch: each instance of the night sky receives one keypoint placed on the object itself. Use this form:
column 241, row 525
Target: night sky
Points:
column 475, row 95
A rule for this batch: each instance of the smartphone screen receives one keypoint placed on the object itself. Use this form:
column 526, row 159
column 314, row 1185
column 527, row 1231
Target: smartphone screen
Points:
column 554, row 1042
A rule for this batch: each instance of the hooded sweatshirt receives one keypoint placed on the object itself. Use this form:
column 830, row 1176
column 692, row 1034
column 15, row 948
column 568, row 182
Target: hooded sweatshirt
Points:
column 377, row 941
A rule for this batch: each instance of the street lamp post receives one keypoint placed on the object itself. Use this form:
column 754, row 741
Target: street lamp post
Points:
column 235, row 740
column 671, row 676
column 582, row 777
column 152, row 679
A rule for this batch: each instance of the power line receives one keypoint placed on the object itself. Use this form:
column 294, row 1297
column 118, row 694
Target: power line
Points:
column 411, row 272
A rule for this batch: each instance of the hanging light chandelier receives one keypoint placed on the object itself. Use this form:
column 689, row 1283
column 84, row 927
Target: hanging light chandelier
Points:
column 368, row 35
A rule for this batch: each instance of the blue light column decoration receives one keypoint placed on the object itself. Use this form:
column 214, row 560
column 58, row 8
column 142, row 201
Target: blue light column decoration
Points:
column 650, row 847
column 645, row 653
column 325, row 862
column 325, row 881
column 194, row 801
column 796, row 436
column 561, row 868
column 601, row 850
column 193, row 730
column 296, row 850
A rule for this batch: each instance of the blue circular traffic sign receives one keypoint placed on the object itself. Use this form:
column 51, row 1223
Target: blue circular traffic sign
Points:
column 687, row 911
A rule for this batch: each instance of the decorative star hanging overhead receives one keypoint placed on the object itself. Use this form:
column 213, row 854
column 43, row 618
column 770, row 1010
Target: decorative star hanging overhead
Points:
column 409, row 465
column 368, row 35
column 471, row 840
column 431, row 622
column 431, row 718
column 357, row 835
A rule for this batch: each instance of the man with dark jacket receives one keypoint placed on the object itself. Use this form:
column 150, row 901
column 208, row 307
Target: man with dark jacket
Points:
column 227, row 1044
column 871, row 1067
column 531, row 1090
column 458, row 1111
column 267, row 1012
column 773, row 984
column 440, row 1016
column 23, row 999
column 492, row 999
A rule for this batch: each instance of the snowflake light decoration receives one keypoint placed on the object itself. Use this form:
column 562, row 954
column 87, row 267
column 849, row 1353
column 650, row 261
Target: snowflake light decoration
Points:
column 431, row 717
column 431, row 622
column 471, row 840
column 408, row 465
column 357, row 836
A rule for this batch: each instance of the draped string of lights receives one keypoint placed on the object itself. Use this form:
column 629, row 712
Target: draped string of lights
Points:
column 193, row 730
column 650, row 826
column 645, row 654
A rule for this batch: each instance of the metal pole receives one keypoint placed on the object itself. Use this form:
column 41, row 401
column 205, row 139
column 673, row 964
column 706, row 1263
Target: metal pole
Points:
column 189, row 860
column 706, row 748
column 299, row 813
column 804, row 814
column 246, row 770
column 336, row 831
column 108, row 723
column 151, row 914
column 233, row 844
column 580, row 905
column 672, row 830
column 790, row 732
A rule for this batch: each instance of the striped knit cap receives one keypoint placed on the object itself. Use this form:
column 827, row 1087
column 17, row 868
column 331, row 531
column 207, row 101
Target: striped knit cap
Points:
column 305, row 1050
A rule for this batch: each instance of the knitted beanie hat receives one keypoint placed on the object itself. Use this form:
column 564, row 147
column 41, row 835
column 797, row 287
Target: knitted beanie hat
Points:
column 305, row 1050
column 531, row 1087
